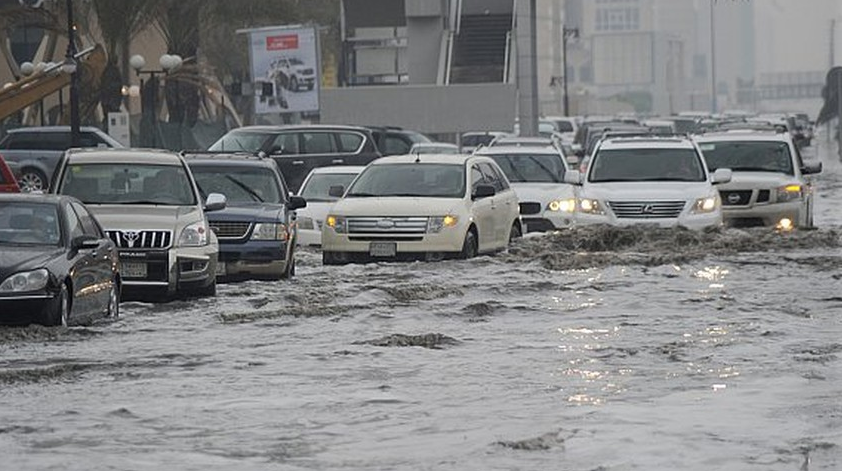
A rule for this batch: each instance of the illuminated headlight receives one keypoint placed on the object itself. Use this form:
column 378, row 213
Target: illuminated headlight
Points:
column 437, row 223
column 564, row 206
column 194, row 235
column 305, row 223
column 25, row 282
column 589, row 206
column 788, row 193
column 269, row 231
column 706, row 205
column 785, row 224
column 337, row 223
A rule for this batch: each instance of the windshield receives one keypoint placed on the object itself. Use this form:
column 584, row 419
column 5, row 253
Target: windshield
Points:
column 411, row 179
column 749, row 156
column 630, row 165
column 318, row 185
column 475, row 140
column 241, row 141
column 129, row 184
column 240, row 185
column 531, row 168
column 24, row 223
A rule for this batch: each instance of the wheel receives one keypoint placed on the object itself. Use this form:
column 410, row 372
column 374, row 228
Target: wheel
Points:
column 32, row 179
column 515, row 233
column 331, row 258
column 470, row 246
column 293, row 84
column 61, row 313
column 208, row 291
column 113, row 309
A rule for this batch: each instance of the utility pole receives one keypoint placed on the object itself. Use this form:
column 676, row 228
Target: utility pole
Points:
column 713, row 104
column 568, row 33
column 70, row 61
column 527, row 65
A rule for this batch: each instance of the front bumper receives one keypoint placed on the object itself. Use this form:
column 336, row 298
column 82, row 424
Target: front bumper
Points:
column 547, row 221
column 175, row 270
column 690, row 221
column 309, row 237
column 764, row 214
column 253, row 259
column 27, row 309
column 449, row 240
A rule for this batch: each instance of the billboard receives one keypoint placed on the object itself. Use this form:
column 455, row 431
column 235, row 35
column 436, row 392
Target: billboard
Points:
column 285, row 69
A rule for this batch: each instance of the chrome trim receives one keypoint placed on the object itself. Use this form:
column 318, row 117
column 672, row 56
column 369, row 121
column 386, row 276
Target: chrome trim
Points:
column 128, row 282
column 26, row 297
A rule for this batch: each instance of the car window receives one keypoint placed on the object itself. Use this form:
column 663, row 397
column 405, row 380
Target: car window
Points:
column 646, row 164
column 394, row 145
column 243, row 141
column 477, row 178
column 89, row 139
column 40, row 141
column 317, row 187
column 564, row 126
column 491, row 176
column 240, row 185
column 531, row 168
column 349, row 142
column 504, row 182
column 410, row 180
column 285, row 143
column 753, row 156
column 89, row 225
column 74, row 225
column 317, row 143
column 130, row 183
column 25, row 223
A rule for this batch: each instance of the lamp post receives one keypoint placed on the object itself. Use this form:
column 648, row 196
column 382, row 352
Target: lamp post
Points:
column 713, row 104
column 70, row 66
column 567, row 34
column 168, row 63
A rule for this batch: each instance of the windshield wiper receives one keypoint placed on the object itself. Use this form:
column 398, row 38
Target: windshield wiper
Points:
column 245, row 188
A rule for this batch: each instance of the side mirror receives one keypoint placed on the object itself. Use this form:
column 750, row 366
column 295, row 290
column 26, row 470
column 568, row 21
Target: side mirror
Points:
column 572, row 159
column 573, row 177
column 721, row 175
column 811, row 168
column 484, row 191
column 336, row 191
column 84, row 242
column 216, row 202
column 296, row 202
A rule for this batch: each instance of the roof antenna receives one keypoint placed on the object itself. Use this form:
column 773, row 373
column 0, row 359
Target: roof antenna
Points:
column 417, row 157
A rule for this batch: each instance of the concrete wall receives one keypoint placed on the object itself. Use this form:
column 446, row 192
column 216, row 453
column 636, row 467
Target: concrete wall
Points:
column 427, row 109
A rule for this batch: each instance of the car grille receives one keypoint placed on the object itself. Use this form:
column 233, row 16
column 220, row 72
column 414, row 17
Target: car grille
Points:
column 387, row 225
column 735, row 198
column 230, row 230
column 763, row 196
column 646, row 209
column 141, row 239
column 530, row 208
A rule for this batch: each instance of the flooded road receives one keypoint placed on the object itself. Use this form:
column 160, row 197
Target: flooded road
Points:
column 594, row 349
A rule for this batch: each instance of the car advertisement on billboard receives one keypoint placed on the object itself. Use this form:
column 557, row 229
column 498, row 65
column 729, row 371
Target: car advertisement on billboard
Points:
column 285, row 69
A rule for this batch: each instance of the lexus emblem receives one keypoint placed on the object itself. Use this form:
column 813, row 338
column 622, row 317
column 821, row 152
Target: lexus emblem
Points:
column 733, row 198
column 648, row 209
column 131, row 237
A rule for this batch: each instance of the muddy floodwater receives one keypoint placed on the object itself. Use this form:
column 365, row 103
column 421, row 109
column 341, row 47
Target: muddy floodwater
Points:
column 590, row 349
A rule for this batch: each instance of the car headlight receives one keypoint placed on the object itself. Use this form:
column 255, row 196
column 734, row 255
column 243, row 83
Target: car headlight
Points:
column 337, row 223
column 589, row 206
column 25, row 282
column 706, row 205
column 788, row 193
column 269, row 231
column 564, row 206
column 437, row 223
column 305, row 223
column 194, row 235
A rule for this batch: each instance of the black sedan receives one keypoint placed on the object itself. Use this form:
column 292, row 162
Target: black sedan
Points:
column 56, row 264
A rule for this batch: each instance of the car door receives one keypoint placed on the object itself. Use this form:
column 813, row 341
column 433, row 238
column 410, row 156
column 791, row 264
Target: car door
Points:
column 302, row 151
column 103, row 258
column 483, row 211
column 502, row 203
column 83, row 275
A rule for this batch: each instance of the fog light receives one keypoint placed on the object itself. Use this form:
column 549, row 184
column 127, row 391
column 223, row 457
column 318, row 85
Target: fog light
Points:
column 785, row 224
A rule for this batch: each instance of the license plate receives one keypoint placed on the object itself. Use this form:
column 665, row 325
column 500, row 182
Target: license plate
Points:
column 221, row 269
column 383, row 249
column 133, row 270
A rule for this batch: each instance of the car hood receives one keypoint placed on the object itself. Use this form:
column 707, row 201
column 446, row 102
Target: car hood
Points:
column 266, row 212
column 542, row 192
column 14, row 259
column 396, row 206
column 647, row 191
column 144, row 217
column 768, row 180
column 316, row 210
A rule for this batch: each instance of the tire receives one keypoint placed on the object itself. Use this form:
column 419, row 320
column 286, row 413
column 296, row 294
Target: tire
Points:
column 61, row 314
column 112, row 311
column 32, row 179
column 470, row 247
column 515, row 233
column 331, row 258
column 293, row 84
column 207, row 291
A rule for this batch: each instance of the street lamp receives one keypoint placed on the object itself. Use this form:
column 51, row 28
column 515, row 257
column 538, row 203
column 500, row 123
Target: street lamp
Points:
column 168, row 63
column 70, row 67
column 567, row 34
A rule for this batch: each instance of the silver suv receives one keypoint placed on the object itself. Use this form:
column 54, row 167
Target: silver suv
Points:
column 149, row 205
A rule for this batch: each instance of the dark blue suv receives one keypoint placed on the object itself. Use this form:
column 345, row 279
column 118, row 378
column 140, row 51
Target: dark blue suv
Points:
column 257, row 231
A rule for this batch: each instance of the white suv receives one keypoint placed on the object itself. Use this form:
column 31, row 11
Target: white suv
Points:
column 661, row 181
column 422, row 207
column 769, row 187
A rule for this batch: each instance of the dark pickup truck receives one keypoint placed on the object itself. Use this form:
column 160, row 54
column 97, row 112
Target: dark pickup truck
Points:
column 297, row 149
column 35, row 151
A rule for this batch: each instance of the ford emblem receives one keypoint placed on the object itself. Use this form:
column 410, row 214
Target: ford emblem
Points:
column 385, row 224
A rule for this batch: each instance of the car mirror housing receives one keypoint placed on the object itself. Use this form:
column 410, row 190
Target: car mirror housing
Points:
column 721, row 175
column 573, row 177
column 812, row 168
column 84, row 242
column 336, row 191
column 215, row 202
column 296, row 202
column 484, row 191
